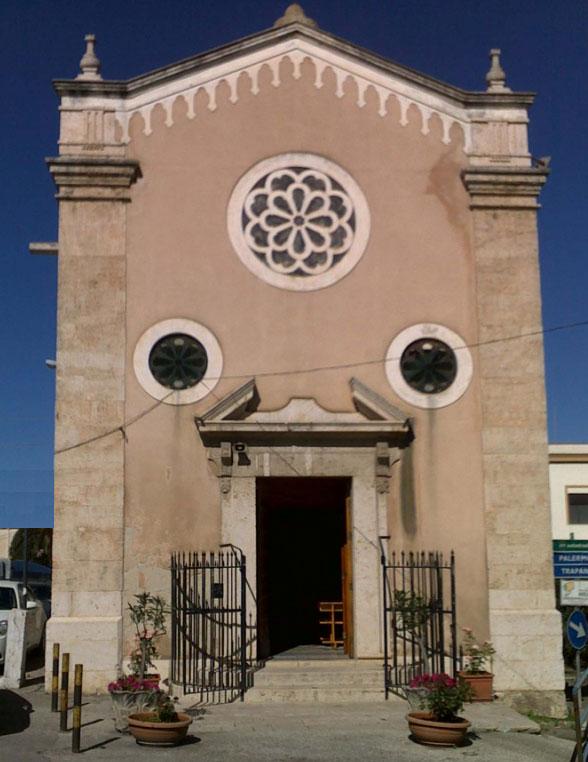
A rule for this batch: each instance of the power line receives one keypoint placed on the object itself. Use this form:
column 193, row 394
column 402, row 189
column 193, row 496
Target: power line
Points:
column 122, row 428
column 343, row 366
column 317, row 369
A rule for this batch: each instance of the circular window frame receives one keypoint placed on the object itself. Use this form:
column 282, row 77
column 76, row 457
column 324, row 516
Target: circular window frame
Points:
column 183, row 396
column 297, row 282
column 425, row 400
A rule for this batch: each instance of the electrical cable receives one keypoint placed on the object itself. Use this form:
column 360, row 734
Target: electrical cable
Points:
column 317, row 369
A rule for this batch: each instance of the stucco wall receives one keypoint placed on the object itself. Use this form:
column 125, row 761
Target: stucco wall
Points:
column 418, row 267
column 6, row 536
column 475, row 477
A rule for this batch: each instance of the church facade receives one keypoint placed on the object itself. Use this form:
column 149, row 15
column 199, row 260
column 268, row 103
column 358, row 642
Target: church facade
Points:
column 286, row 270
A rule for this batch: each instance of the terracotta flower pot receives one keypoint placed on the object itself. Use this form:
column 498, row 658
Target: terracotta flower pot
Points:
column 480, row 683
column 435, row 733
column 151, row 733
column 154, row 678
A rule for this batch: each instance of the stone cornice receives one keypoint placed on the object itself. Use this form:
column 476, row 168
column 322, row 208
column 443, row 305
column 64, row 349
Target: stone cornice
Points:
column 484, row 123
column 81, row 178
column 504, row 187
column 124, row 88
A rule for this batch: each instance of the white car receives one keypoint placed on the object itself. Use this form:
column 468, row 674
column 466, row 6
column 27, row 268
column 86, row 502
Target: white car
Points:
column 14, row 595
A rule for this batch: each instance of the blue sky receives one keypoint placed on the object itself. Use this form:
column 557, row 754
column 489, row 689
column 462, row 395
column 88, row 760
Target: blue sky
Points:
column 544, row 50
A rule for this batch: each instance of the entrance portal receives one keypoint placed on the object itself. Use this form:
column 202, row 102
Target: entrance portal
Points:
column 301, row 532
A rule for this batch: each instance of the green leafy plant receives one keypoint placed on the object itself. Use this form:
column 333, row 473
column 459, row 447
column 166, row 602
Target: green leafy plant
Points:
column 413, row 612
column 476, row 654
column 165, row 710
column 441, row 695
column 148, row 615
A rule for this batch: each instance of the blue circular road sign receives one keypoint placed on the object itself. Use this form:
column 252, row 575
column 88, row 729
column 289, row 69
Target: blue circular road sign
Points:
column 577, row 629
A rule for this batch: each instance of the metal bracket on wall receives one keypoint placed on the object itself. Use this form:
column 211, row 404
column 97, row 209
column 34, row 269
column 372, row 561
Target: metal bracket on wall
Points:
column 382, row 468
column 226, row 467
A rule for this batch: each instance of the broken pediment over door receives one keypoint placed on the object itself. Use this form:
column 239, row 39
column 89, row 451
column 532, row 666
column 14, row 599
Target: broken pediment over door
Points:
column 304, row 421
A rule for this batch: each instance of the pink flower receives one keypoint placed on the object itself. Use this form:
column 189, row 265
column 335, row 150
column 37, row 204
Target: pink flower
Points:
column 132, row 683
column 433, row 681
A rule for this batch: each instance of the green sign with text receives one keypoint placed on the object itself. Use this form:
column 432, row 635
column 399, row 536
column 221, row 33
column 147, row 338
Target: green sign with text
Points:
column 570, row 545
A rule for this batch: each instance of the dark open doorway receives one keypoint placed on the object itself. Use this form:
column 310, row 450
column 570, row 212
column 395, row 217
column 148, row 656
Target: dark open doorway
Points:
column 301, row 529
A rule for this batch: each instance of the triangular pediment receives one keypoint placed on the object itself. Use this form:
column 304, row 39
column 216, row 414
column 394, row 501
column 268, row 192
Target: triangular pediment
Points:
column 303, row 419
column 295, row 43
column 237, row 405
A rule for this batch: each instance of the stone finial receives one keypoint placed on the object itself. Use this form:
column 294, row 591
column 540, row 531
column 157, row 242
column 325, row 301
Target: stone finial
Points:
column 496, row 78
column 294, row 14
column 90, row 64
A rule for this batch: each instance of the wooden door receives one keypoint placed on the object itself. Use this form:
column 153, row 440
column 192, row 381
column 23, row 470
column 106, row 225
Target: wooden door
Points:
column 347, row 580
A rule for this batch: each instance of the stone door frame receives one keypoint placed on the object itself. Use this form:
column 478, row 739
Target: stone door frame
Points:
column 369, row 521
column 305, row 440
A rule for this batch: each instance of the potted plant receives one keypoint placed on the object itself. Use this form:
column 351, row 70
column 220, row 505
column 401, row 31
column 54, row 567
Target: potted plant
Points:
column 148, row 616
column 413, row 612
column 162, row 726
column 137, row 692
column 129, row 694
column 441, row 699
column 476, row 656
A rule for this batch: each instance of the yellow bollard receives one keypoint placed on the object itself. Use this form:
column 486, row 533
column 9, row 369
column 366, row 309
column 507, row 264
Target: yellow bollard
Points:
column 77, row 709
column 64, row 693
column 55, row 679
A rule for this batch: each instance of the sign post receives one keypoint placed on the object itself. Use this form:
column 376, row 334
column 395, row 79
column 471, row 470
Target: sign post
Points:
column 577, row 632
column 570, row 566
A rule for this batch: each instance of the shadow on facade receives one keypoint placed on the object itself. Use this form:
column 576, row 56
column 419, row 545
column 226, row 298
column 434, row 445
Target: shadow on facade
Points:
column 407, row 497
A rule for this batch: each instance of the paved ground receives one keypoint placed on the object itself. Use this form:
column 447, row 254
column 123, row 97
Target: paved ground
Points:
column 272, row 733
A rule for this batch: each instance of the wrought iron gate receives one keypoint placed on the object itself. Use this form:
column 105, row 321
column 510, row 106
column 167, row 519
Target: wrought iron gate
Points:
column 210, row 645
column 419, row 616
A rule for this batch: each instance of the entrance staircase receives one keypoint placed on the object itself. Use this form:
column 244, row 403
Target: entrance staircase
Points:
column 319, row 679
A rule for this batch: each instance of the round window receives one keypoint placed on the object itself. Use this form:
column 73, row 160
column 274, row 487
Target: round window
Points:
column 428, row 365
column 178, row 361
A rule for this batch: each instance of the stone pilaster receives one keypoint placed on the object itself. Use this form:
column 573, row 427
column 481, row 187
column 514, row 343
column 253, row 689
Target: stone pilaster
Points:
column 6, row 536
column 89, row 467
column 524, row 625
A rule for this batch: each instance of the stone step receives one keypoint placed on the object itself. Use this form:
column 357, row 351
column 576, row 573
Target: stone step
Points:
column 323, row 695
column 315, row 678
column 336, row 665
column 335, row 681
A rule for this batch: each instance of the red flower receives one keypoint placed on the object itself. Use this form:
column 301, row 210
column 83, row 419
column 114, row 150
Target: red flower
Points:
column 132, row 684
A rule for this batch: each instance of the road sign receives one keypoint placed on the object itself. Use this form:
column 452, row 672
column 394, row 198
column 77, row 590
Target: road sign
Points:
column 571, row 545
column 570, row 559
column 574, row 558
column 577, row 629
column 570, row 571
column 573, row 592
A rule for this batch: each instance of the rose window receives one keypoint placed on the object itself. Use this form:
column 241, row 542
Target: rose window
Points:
column 299, row 225
column 299, row 221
